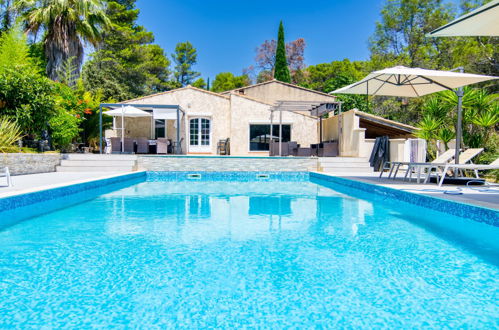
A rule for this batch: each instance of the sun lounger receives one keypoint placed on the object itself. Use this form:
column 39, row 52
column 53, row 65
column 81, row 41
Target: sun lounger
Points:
column 5, row 172
column 474, row 167
column 465, row 157
column 395, row 166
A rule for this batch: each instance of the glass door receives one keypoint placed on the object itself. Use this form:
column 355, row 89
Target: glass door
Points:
column 200, row 135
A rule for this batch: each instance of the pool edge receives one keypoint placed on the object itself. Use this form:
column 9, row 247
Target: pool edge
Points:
column 464, row 210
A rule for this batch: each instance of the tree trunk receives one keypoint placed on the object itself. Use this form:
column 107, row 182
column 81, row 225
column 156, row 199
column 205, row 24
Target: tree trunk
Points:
column 62, row 43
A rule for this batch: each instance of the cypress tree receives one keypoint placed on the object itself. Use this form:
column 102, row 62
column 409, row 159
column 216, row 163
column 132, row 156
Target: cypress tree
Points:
column 281, row 70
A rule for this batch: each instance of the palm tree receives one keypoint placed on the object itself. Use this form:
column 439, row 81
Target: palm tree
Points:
column 67, row 24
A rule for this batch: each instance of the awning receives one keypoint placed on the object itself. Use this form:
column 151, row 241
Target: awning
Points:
column 167, row 114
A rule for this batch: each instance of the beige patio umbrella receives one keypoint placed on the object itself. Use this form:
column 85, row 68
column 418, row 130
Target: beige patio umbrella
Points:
column 483, row 21
column 126, row 111
column 413, row 82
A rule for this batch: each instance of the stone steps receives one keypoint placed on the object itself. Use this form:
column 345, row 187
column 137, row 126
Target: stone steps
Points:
column 97, row 163
column 88, row 157
column 93, row 169
column 341, row 165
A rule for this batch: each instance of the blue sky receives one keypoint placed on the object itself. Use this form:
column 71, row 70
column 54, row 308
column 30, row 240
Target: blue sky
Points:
column 226, row 33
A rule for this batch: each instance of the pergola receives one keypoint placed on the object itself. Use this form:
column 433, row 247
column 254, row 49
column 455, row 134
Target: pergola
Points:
column 315, row 109
column 174, row 110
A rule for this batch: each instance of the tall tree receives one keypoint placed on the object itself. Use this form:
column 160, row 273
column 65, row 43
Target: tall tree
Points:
column 226, row 81
column 6, row 15
column 400, row 36
column 127, row 64
column 185, row 57
column 281, row 64
column 67, row 25
column 266, row 58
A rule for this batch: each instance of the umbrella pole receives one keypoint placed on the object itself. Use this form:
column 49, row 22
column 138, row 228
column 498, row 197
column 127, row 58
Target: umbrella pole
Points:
column 100, row 129
column 122, row 130
column 459, row 128
column 271, row 140
column 367, row 96
column 280, row 133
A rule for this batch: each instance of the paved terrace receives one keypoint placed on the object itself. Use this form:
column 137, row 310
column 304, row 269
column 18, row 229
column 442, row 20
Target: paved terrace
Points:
column 478, row 196
column 36, row 182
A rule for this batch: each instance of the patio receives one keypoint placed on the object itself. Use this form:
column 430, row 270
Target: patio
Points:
column 144, row 129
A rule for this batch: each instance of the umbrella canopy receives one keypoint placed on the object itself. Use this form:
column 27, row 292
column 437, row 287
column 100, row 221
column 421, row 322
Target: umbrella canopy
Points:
column 410, row 82
column 413, row 82
column 483, row 21
column 127, row 111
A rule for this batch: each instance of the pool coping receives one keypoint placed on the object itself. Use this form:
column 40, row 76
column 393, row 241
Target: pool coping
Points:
column 464, row 210
column 31, row 196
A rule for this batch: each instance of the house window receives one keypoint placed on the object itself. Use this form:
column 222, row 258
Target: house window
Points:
column 160, row 128
column 260, row 136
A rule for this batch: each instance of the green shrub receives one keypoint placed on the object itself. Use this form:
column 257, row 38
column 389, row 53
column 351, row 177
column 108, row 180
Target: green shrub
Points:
column 10, row 133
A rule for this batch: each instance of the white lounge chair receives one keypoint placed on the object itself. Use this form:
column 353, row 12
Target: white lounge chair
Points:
column 474, row 167
column 395, row 166
column 465, row 157
column 5, row 172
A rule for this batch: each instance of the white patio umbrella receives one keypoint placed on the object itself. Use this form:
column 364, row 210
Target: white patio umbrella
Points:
column 126, row 111
column 483, row 21
column 413, row 82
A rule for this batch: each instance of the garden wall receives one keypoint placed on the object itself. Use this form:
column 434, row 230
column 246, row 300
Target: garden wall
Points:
column 19, row 164
column 222, row 164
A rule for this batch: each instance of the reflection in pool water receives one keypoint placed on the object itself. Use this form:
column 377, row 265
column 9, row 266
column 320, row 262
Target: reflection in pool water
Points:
column 234, row 254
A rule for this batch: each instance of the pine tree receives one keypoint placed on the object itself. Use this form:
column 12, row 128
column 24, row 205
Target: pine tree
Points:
column 127, row 63
column 185, row 57
column 281, row 71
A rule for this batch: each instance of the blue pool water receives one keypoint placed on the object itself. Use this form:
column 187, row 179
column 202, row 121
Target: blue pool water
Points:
column 247, row 254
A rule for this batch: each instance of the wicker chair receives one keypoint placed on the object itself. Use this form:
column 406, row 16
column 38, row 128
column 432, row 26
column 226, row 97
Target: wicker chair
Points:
column 162, row 146
column 115, row 144
column 128, row 145
column 142, row 146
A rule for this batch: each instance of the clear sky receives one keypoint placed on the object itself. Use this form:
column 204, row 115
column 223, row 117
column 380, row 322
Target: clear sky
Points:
column 226, row 33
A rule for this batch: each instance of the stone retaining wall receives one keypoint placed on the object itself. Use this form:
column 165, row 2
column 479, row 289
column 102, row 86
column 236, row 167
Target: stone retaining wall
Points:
column 19, row 164
column 223, row 164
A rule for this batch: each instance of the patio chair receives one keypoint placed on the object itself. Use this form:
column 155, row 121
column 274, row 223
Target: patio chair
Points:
column 395, row 166
column 329, row 149
column 162, row 146
column 223, row 147
column 304, row 152
column 5, row 172
column 128, row 145
column 473, row 167
column 293, row 148
column 142, row 146
column 115, row 144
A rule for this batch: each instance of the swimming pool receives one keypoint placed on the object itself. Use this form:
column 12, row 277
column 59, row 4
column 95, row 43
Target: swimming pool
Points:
column 284, row 250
